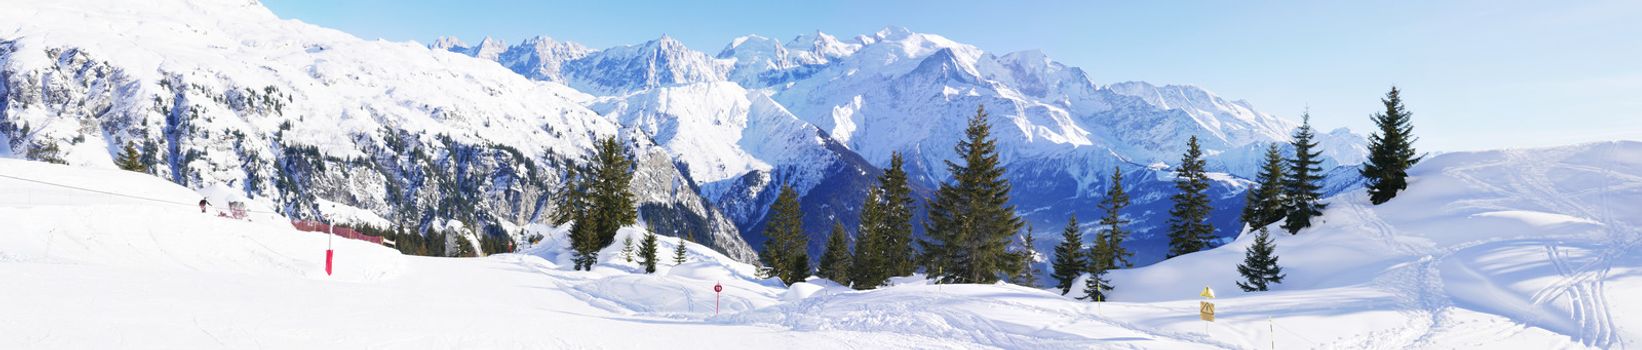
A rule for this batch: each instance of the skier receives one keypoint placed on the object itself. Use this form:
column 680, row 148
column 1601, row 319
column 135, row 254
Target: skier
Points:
column 203, row 203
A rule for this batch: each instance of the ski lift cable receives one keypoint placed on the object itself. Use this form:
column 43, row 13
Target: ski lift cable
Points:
column 92, row 190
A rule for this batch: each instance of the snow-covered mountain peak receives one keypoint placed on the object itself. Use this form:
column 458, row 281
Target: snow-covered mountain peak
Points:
column 542, row 58
column 656, row 63
column 822, row 44
column 488, row 48
column 892, row 32
column 1235, row 122
column 447, row 43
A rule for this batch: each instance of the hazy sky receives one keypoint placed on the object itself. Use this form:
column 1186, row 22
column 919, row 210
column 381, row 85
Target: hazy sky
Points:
column 1476, row 74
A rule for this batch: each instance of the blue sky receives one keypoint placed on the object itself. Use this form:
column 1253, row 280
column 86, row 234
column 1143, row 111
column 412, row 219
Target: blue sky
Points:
column 1476, row 74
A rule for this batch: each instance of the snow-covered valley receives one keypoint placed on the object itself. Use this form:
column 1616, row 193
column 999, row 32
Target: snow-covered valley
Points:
column 1499, row 249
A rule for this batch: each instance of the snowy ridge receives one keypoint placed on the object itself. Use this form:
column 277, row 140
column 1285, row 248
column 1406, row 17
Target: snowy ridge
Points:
column 224, row 92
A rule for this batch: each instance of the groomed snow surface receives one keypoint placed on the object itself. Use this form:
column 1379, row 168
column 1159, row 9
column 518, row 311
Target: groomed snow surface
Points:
column 1530, row 249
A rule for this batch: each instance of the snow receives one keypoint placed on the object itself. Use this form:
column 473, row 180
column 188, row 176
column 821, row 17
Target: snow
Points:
column 1523, row 260
column 346, row 215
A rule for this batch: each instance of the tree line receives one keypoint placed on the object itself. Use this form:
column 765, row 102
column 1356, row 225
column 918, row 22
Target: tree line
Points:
column 975, row 236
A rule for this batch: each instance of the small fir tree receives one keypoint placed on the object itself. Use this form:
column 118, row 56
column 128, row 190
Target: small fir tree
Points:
column 1259, row 268
column 1069, row 260
column 1302, row 190
column 835, row 261
column 1029, row 258
column 647, row 252
column 1189, row 229
column 1390, row 150
column 679, row 253
column 130, row 159
column 627, row 248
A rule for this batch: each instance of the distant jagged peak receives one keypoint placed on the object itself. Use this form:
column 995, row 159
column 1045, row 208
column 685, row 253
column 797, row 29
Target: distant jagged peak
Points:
column 447, row 42
column 661, row 62
column 488, row 48
column 542, row 43
column 822, row 44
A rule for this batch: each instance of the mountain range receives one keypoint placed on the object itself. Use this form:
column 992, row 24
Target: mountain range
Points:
column 223, row 92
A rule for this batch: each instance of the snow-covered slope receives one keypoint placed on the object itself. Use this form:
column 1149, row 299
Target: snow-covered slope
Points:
column 1520, row 249
column 1495, row 249
column 224, row 92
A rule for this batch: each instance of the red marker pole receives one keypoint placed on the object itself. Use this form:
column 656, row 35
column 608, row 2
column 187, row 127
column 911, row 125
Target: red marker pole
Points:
column 717, row 288
column 329, row 251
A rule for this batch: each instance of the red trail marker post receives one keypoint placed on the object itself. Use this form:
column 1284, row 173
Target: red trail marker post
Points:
column 717, row 288
column 330, row 252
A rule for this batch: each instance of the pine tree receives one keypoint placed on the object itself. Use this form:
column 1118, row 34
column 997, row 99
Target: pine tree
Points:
column 786, row 250
column 1390, row 150
column 584, row 243
column 627, row 248
column 598, row 201
column 678, row 253
column 130, row 159
column 1028, row 276
column 1263, row 204
column 835, row 261
column 1259, row 268
column 647, row 252
column 883, row 247
column 612, row 203
column 896, row 219
column 970, row 221
column 1069, row 257
column 570, row 203
column 1114, row 255
column 1302, row 189
column 867, row 270
column 1189, row 229
column 1096, row 286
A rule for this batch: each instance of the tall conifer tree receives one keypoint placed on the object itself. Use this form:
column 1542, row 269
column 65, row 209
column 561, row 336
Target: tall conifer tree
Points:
column 1189, row 229
column 868, row 270
column 1390, row 150
column 835, row 260
column 786, row 250
column 1263, row 204
column 896, row 220
column 1069, row 260
column 970, row 220
column 1113, row 254
column 1302, row 189
column 599, row 202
